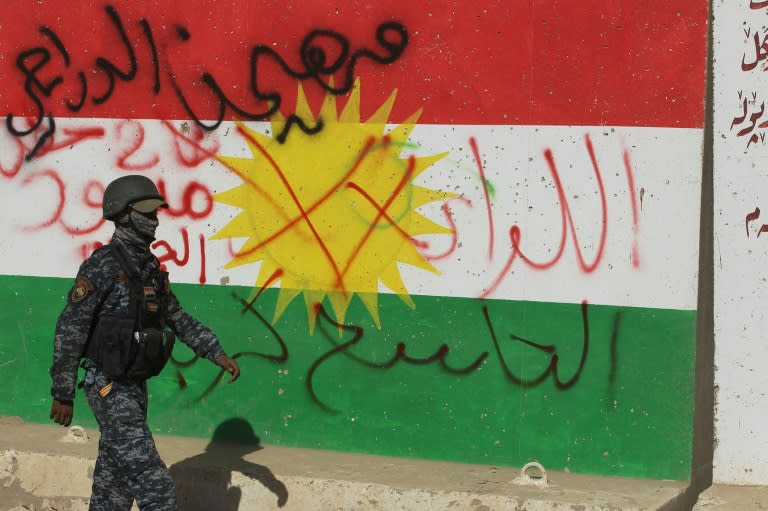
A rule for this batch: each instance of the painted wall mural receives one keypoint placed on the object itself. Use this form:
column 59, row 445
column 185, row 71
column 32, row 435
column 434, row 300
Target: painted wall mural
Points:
column 462, row 231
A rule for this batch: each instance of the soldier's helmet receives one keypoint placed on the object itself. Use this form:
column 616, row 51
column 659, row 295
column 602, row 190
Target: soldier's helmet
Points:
column 134, row 191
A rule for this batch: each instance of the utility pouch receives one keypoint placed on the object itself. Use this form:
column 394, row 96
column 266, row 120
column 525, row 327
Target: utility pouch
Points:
column 153, row 349
column 115, row 349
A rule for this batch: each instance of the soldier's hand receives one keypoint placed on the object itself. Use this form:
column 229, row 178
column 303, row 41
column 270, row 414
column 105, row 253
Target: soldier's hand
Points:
column 61, row 412
column 228, row 364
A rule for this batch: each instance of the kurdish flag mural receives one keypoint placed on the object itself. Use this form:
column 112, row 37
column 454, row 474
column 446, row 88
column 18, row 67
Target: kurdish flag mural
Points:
column 463, row 231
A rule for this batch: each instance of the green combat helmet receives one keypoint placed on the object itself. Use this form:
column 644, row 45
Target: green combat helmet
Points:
column 133, row 190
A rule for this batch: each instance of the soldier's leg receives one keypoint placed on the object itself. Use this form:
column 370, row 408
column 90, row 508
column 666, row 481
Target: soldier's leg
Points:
column 128, row 443
column 109, row 492
column 147, row 475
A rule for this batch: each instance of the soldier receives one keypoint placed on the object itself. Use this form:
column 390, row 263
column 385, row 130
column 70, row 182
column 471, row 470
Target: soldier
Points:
column 114, row 326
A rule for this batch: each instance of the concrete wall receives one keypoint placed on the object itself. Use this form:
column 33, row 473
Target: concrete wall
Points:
column 478, row 242
column 740, row 159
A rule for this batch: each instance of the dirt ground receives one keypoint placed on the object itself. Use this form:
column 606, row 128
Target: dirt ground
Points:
column 20, row 501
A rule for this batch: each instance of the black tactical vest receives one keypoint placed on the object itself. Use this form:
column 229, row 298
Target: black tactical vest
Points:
column 136, row 346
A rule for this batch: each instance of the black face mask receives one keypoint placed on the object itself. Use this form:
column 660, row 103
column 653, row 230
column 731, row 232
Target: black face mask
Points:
column 145, row 224
column 137, row 228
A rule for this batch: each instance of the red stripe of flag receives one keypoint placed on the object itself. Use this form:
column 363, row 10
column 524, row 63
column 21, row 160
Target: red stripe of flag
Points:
column 523, row 62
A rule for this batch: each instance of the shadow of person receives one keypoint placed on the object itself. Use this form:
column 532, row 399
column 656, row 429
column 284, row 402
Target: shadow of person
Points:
column 205, row 482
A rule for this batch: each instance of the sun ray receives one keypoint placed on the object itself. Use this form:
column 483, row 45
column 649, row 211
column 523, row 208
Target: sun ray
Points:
column 371, row 303
column 410, row 255
column 237, row 197
column 393, row 280
column 284, row 298
column 313, row 298
column 381, row 115
column 266, row 271
column 235, row 229
column 339, row 303
column 328, row 107
column 351, row 112
column 303, row 109
column 422, row 225
column 422, row 196
column 246, row 255
column 402, row 131
column 424, row 162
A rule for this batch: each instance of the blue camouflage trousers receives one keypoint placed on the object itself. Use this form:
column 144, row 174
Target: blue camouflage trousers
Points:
column 128, row 465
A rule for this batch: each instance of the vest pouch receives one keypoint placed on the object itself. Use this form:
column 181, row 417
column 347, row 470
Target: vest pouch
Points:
column 153, row 349
column 114, row 345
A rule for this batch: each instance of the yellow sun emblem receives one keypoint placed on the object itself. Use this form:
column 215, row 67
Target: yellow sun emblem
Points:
column 331, row 214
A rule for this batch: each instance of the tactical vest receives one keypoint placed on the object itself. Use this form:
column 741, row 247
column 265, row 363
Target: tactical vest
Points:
column 133, row 346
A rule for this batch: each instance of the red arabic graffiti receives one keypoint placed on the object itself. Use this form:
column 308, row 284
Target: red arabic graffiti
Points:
column 489, row 210
column 751, row 217
column 760, row 50
column 166, row 253
column 172, row 255
column 448, row 214
column 131, row 129
column 63, row 139
column 92, row 193
column 748, row 122
column 128, row 141
column 58, row 206
column 194, row 193
column 128, row 146
column 635, row 212
column 752, row 125
column 567, row 225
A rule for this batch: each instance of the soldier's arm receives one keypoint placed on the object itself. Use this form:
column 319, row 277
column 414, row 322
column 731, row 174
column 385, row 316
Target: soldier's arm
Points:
column 192, row 332
column 73, row 328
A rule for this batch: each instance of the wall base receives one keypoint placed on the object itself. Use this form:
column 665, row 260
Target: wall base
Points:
column 721, row 497
column 48, row 467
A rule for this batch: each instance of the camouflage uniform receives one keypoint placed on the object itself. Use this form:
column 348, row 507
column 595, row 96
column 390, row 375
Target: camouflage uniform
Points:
column 128, row 465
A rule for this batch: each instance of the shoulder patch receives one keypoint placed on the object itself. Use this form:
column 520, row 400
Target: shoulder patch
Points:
column 82, row 287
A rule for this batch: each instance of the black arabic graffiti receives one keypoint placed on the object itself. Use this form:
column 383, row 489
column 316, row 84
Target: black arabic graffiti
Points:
column 550, row 349
column 400, row 355
column 313, row 58
column 392, row 38
column 329, row 327
column 41, row 56
column 279, row 358
column 439, row 356
column 442, row 352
